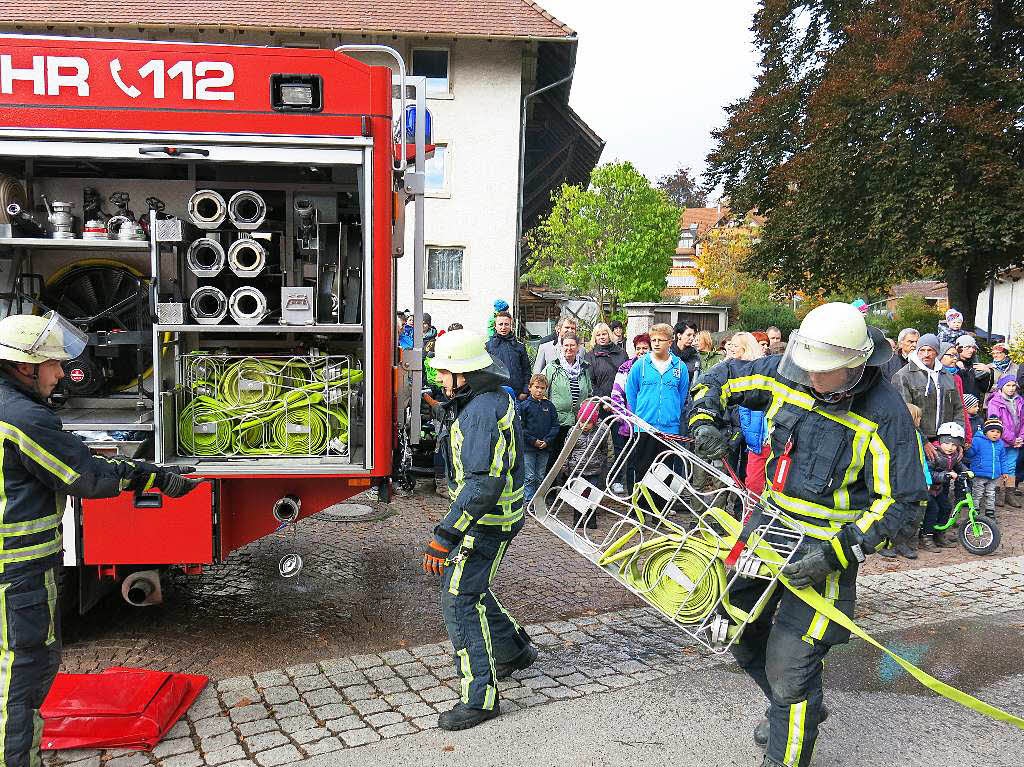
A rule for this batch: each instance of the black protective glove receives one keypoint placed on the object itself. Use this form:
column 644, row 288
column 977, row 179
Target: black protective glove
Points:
column 170, row 482
column 708, row 441
column 813, row 567
column 166, row 479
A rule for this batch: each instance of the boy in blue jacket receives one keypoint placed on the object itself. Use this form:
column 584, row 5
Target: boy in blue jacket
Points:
column 656, row 391
column 540, row 427
column 990, row 463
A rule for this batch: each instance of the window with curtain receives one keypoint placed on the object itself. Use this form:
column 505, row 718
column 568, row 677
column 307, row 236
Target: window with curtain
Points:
column 444, row 268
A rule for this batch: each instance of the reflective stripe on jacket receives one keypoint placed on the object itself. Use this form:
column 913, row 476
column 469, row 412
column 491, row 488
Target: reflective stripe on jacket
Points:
column 40, row 465
column 855, row 462
column 486, row 471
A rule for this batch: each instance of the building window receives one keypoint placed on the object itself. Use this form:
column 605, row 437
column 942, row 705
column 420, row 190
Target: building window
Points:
column 437, row 172
column 444, row 268
column 686, row 241
column 432, row 63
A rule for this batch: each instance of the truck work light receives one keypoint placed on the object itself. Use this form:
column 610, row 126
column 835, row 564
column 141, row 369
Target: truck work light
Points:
column 296, row 93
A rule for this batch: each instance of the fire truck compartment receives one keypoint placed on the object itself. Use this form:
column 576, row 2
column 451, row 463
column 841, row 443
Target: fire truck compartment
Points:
column 225, row 290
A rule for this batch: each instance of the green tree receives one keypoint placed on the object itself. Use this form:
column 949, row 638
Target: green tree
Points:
column 882, row 141
column 612, row 241
column 683, row 188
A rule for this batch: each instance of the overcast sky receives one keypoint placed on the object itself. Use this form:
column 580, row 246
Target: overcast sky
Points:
column 652, row 76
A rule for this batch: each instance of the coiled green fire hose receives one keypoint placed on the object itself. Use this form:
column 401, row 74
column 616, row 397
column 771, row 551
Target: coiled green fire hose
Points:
column 670, row 562
column 263, row 407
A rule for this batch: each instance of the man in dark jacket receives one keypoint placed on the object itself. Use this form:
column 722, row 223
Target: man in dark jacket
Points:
column 482, row 438
column 504, row 346
column 906, row 343
column 844, row 470
column 41, row 464
column 924, row 383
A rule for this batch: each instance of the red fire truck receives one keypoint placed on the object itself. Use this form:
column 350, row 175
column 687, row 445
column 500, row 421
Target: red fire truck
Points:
column 222, row 221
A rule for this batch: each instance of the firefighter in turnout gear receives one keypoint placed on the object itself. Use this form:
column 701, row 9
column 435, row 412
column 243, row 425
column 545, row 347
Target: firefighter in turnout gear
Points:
column 40, row 465
column 845, row 467
column 482, row 443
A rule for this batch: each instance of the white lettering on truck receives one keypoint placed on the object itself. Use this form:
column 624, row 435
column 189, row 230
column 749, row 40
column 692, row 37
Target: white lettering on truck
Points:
column 55, row 75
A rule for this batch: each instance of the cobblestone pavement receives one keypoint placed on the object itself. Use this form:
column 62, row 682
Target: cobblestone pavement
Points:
column 283, row 716
column 362, row 590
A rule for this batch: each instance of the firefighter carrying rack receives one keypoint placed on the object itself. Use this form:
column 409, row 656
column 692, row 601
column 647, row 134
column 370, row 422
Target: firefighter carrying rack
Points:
column 673, row 536
column 277, row 406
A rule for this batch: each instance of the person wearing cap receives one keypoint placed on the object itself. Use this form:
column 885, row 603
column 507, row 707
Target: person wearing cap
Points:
column 1007, row 405
column 976, row 376
column 500, row 305
column 429, row 335
column 990, row 463
column 844, row 469
column 975, row 417
column 41, row 464
column 950, row 330
column 482, row 442
column 923, row 382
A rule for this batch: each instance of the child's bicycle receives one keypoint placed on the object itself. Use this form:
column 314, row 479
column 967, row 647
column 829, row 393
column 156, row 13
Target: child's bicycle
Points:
column 978, row 534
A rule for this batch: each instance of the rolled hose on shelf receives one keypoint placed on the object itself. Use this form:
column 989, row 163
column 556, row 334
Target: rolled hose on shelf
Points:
column 255, row 402
column 699, row 554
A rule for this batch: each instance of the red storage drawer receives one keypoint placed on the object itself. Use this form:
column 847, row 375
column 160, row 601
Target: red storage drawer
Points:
column 124, row 530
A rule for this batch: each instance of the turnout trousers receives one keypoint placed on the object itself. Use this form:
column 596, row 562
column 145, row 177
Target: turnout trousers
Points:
column 783, row 651
column 482, row 632
column 30, row 648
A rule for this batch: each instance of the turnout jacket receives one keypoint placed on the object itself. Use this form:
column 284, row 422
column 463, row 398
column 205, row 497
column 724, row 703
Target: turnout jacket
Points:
column 855, row 471
column 482, row 442
column 40, row 465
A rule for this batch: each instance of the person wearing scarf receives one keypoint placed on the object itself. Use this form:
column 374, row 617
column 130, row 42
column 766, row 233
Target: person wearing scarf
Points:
column 570, row 384
column 1008, row 406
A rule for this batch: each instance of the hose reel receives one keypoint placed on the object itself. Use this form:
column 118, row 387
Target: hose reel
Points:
column 205, row 257
column 247, row 257
column 246, row 210
column 208, row 305
column 207, row 209
column 248, row 306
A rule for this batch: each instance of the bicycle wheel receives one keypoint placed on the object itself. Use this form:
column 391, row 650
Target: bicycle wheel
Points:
column 980, row 538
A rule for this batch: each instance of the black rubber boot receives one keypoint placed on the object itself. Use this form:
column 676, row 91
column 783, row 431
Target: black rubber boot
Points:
column 463, row 717
column 946, row 543
column 763, row 728
column 888, row 552
column 927, row 543
column 525, row 659
column 904, row 549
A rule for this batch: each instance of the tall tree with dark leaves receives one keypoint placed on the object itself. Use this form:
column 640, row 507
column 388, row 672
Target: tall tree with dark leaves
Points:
column 683, row 188
column 883, row 140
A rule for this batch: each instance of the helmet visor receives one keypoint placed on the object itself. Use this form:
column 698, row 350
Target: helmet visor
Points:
column 824, row 367
column 59, row 339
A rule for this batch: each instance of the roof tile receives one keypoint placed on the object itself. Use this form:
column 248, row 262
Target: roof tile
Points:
column 490, row 18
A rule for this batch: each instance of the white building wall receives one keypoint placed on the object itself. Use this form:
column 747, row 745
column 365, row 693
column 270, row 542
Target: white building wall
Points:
column 480, row 124
column 1007, row 307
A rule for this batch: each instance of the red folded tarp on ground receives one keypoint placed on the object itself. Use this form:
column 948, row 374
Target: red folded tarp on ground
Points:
column 120, row 708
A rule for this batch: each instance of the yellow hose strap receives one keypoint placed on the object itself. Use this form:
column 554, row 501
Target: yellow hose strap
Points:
column 814, row 600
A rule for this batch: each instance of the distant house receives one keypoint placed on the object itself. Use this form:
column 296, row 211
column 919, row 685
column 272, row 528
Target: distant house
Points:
column 683, row 280
column 932, row 291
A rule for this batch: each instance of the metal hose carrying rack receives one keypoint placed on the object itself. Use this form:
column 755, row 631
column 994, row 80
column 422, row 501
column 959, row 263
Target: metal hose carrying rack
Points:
column 269, row 406
column 672, row 538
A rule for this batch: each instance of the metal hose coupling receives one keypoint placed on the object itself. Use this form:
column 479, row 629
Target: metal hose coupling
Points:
column 286, row 508
column 205, row 257
column 208, row 305
column 207, row 209
column 247, row 257
column 248, row 306
column 246, row 210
